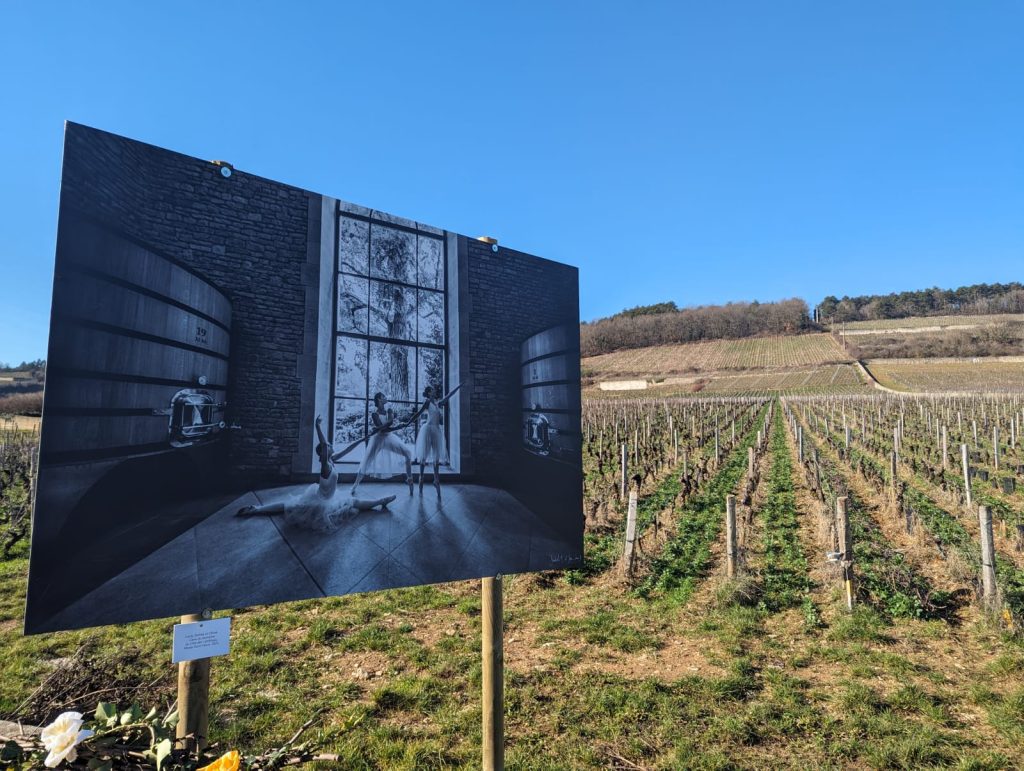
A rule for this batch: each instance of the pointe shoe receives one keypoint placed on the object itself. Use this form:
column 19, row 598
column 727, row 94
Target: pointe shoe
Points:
column 387, row 500
column 408, row 481
column 245, row 511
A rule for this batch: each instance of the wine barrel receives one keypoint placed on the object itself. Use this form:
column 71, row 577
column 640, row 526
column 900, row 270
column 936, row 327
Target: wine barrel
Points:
column 139, row 345
column 551, row 404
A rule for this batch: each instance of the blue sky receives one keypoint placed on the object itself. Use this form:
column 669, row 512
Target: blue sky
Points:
column 695, row 152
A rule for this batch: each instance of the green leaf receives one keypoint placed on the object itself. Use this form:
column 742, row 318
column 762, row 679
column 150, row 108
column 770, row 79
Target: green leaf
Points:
column 95, row 764
column 163, row 749
column 106, row 713
column 171, row 721
column 150, row 715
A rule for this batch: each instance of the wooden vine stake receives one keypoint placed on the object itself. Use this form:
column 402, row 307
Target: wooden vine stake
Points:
column 493, row 656
column 627, row 555
column 967, row 472
column 730, row 536
column 845, row 548
column 622, row 480
column 193, row 699
column 988, row 561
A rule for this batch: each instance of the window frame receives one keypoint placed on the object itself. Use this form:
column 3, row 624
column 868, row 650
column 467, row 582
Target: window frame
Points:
column 367, row 338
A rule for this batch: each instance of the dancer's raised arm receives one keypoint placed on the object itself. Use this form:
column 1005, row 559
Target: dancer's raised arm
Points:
column 444, row 399
column 320, row 431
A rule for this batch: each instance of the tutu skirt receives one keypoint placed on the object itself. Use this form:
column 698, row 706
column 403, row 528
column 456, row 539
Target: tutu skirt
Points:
column 311, row 509
column 430, row 444
column 385, row 456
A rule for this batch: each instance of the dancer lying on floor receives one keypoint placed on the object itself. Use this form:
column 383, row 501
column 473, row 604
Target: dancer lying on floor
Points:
column 317, row 507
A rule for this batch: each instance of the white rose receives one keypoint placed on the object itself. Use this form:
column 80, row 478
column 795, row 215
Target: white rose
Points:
column 61, row 738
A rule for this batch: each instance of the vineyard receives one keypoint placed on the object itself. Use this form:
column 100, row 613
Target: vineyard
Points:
column 700, row 631
column 942, row 375
column 835, row 378
column 838, row 378
column 713, row 356
column 918, row 324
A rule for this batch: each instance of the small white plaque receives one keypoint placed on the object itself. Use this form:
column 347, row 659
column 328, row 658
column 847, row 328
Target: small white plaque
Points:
column 201, row 640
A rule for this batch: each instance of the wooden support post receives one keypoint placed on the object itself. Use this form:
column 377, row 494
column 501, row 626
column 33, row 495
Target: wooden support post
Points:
column 493, row 676
column 988, row 561
column 995, row 445
column 945, row 448
column 627, row 554
column 622, row 480
column 846, row 436
column 675, row 448
column 800, row 443
column 730, row 535
column 967, row 472
column 193, row 728
column 716, row 446
column 845, row 548
column 750, row 462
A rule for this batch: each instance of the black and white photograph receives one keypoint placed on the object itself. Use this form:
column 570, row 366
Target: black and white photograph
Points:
column 256, row 393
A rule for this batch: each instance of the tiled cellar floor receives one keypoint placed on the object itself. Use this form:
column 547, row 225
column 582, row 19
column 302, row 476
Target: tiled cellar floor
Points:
column 229, row 562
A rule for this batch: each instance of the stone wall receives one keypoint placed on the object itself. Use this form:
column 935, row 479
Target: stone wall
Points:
column 511, row 296
column 247, row 235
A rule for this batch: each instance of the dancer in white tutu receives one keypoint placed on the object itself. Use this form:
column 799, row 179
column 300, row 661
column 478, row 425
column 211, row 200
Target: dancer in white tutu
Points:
column 430, row 444
column 384, row 449
column 317, row 507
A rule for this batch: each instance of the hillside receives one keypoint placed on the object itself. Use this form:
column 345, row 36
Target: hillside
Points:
column 21, row 390
column 992, row 375
column 809, row 363
column 777, row 352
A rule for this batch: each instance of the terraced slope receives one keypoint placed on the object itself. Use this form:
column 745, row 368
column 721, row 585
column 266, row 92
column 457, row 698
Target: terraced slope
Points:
column 993, row 374
column 780, row 352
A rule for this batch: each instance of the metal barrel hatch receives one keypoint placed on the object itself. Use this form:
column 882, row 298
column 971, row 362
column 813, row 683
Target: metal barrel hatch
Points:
column 551, row 403
column 138, row 352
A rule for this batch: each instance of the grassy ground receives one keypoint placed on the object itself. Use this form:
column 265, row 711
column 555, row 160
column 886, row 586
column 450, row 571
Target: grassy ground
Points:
column 766, row 671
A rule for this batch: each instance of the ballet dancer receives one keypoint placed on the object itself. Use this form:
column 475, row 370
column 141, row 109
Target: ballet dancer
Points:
column 317, row 507
column 383, row 445
column 430, row 444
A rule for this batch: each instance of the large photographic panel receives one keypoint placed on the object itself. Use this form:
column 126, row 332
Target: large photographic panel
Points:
column 221, row 342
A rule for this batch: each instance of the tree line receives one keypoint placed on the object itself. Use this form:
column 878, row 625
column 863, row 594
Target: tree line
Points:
column 966, row 300
column 665, row 324
column 38, row 365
